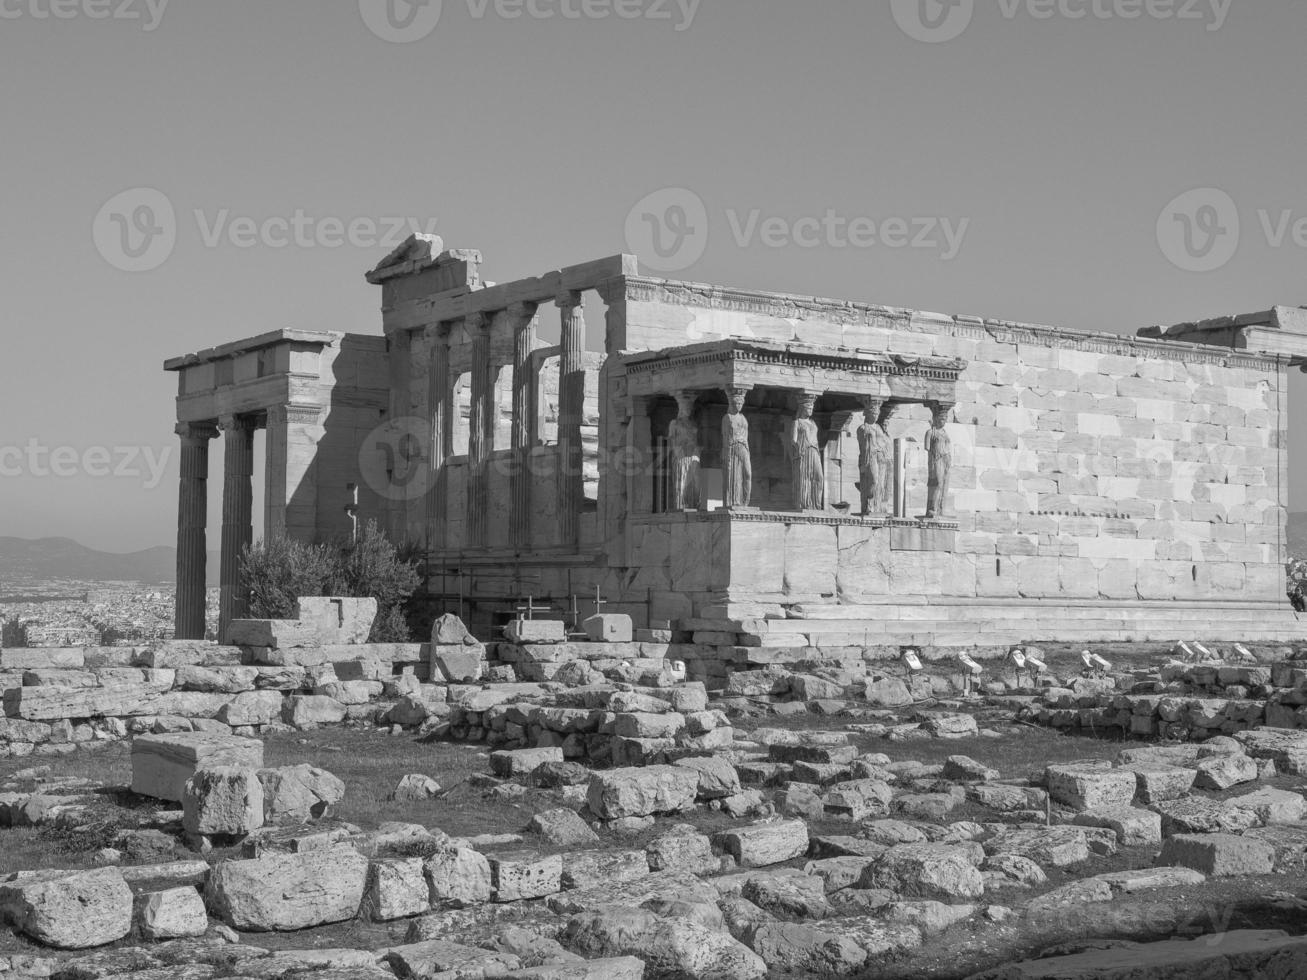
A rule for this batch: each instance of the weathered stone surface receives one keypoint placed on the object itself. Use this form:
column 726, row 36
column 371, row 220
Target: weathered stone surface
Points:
column 161, row 764
column 1151, row 879
column 536, row 631
column 928, row 916
column 176, row 913
column 1055, row 846
column 1289, row 844
column 459, row 877
column 965, row 769
column 683, row 849
column 1156, row 782
column 1286, row 747
column 1089, row 786
column 511, row 763
column 799, row 896
column 596, row 868
column 1199, row 815
column 1012, row 870
column 1218, row 855
column 1222, row 772
column 1070, row 896
column 926, row 870
column 252, row 708
column 69, row 909
column 563, row 828
column 669, row 947
column 458, row 664
column 764, row 844
column 337, row 619
column 443, row 958
column 297, row 794
column 642, row 792
column 415, row 787
column 804, row 950
column 717, row 777
column 524, row 875
column 1272, row 806
column 397, row 888
column 1133, row 826
column 224, row 800
column 609, row 628
column 310, row 710
column 282, row 892
column 1239, row 954
column 272, row 634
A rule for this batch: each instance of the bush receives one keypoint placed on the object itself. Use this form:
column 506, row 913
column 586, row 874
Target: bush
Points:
column 1296, row 572
column 279, row 571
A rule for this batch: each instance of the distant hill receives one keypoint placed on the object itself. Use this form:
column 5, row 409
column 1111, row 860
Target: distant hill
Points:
column 62, row 558
column 1297, row 535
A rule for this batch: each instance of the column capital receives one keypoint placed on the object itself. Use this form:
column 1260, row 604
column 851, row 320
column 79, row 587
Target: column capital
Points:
column 477, row 321
column 523, row 310
column 738, row 389
column 237, row 423
column 197, row 431
column 568, row 299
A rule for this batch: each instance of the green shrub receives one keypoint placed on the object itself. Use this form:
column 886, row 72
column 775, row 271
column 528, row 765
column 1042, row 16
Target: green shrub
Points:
column 278, row 571
column 1296, row 585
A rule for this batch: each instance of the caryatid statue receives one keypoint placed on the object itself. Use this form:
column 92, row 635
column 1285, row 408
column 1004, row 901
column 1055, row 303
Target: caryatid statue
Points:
column 683, row 439
column 875, row 458
column 805, row 457
column 737, row 464
column 885, row 503
column 939, row 454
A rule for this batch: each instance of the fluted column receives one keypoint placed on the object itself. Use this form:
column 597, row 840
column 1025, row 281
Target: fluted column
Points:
column 524, row 335
column 441, row 390
column 481, row 426
column 571, row 407
column 192, row 537
column 237, row 514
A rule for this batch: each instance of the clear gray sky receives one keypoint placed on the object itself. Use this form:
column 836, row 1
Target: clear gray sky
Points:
column 1051, row 136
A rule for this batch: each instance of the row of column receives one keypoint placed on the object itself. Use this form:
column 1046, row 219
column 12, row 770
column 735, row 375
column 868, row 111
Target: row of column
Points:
column 882, row 460
column 485, row 412
column 290, row 503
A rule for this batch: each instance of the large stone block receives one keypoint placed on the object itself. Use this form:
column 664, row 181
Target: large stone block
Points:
column 926, row 870
column 284, row 892
column 338, row 619
column 642, row 791
column 298, row 794
column 536, row 631
column 462, row 663
column 175, row 913
column 161, row 764
column 69, row 909
column 763, row 844
column 1219, row 855
column 223, row 801
column 458, row 877
column 273, row 634
column 1089, row 786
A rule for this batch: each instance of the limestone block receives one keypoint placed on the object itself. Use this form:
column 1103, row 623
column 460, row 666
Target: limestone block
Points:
column 811, row 557
column 536, row 631
column 1218, row 855
column 252, row 708
column 1133, row 826
column 398, row 888
column 222, row 801
column 1272, row 806
column 161, row 764
column 69, row 909
column 597, row 868
column 348, row 693
column 1056, row 846
column 462, row 663
column 54, row 703
column 640, row 792
column 459, row 877
column 1155, row 782
column 717, row 777
column 609, row 628
column 445, row 958
column 1090, row 787
column 34, row 658
column 1223, row 772
column 297, row 794
column 175, row 913
column 414, row 788
column 338, row 619
column 273, row 634
column 284, row 892
column 310, row 710
column 763, row 844
column 509, row 764
column 926, row 870
column 520, row 876
column 668, row 947
column 563, row 828
column 215, row 680
column 1199, row 815
column 642, row 725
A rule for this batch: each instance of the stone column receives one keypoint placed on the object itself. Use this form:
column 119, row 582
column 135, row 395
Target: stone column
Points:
column 441, row 388
column 479, row 422
column 524, row 336
column 834, row 458
column 571, row 407
column 290, row 487
column 237, row 514
column 192, row 538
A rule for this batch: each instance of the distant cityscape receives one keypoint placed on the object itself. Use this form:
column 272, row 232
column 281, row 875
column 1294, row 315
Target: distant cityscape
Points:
column 72, row 613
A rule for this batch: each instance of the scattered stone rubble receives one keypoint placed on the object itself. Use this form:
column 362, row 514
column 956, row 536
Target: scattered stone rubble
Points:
column 686, row 836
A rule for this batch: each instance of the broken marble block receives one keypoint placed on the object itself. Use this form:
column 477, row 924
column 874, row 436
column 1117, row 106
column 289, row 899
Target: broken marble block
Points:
column 509, row 763
column 461, row 663
column 175, row 913
column 1091, row 786
column 1218, row 855
column 609, row 628
column 520, row 876
column 161, row 764
column 642, row 791
column 69, row 909
column 536, row 631
column 274, row 634
column 224, row 801
column 337, row 619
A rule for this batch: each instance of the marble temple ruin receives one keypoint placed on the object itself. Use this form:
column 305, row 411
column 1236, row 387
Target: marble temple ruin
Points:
column 760, row 467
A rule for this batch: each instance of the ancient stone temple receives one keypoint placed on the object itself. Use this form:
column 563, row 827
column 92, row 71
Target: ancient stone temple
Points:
column 771, row 468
